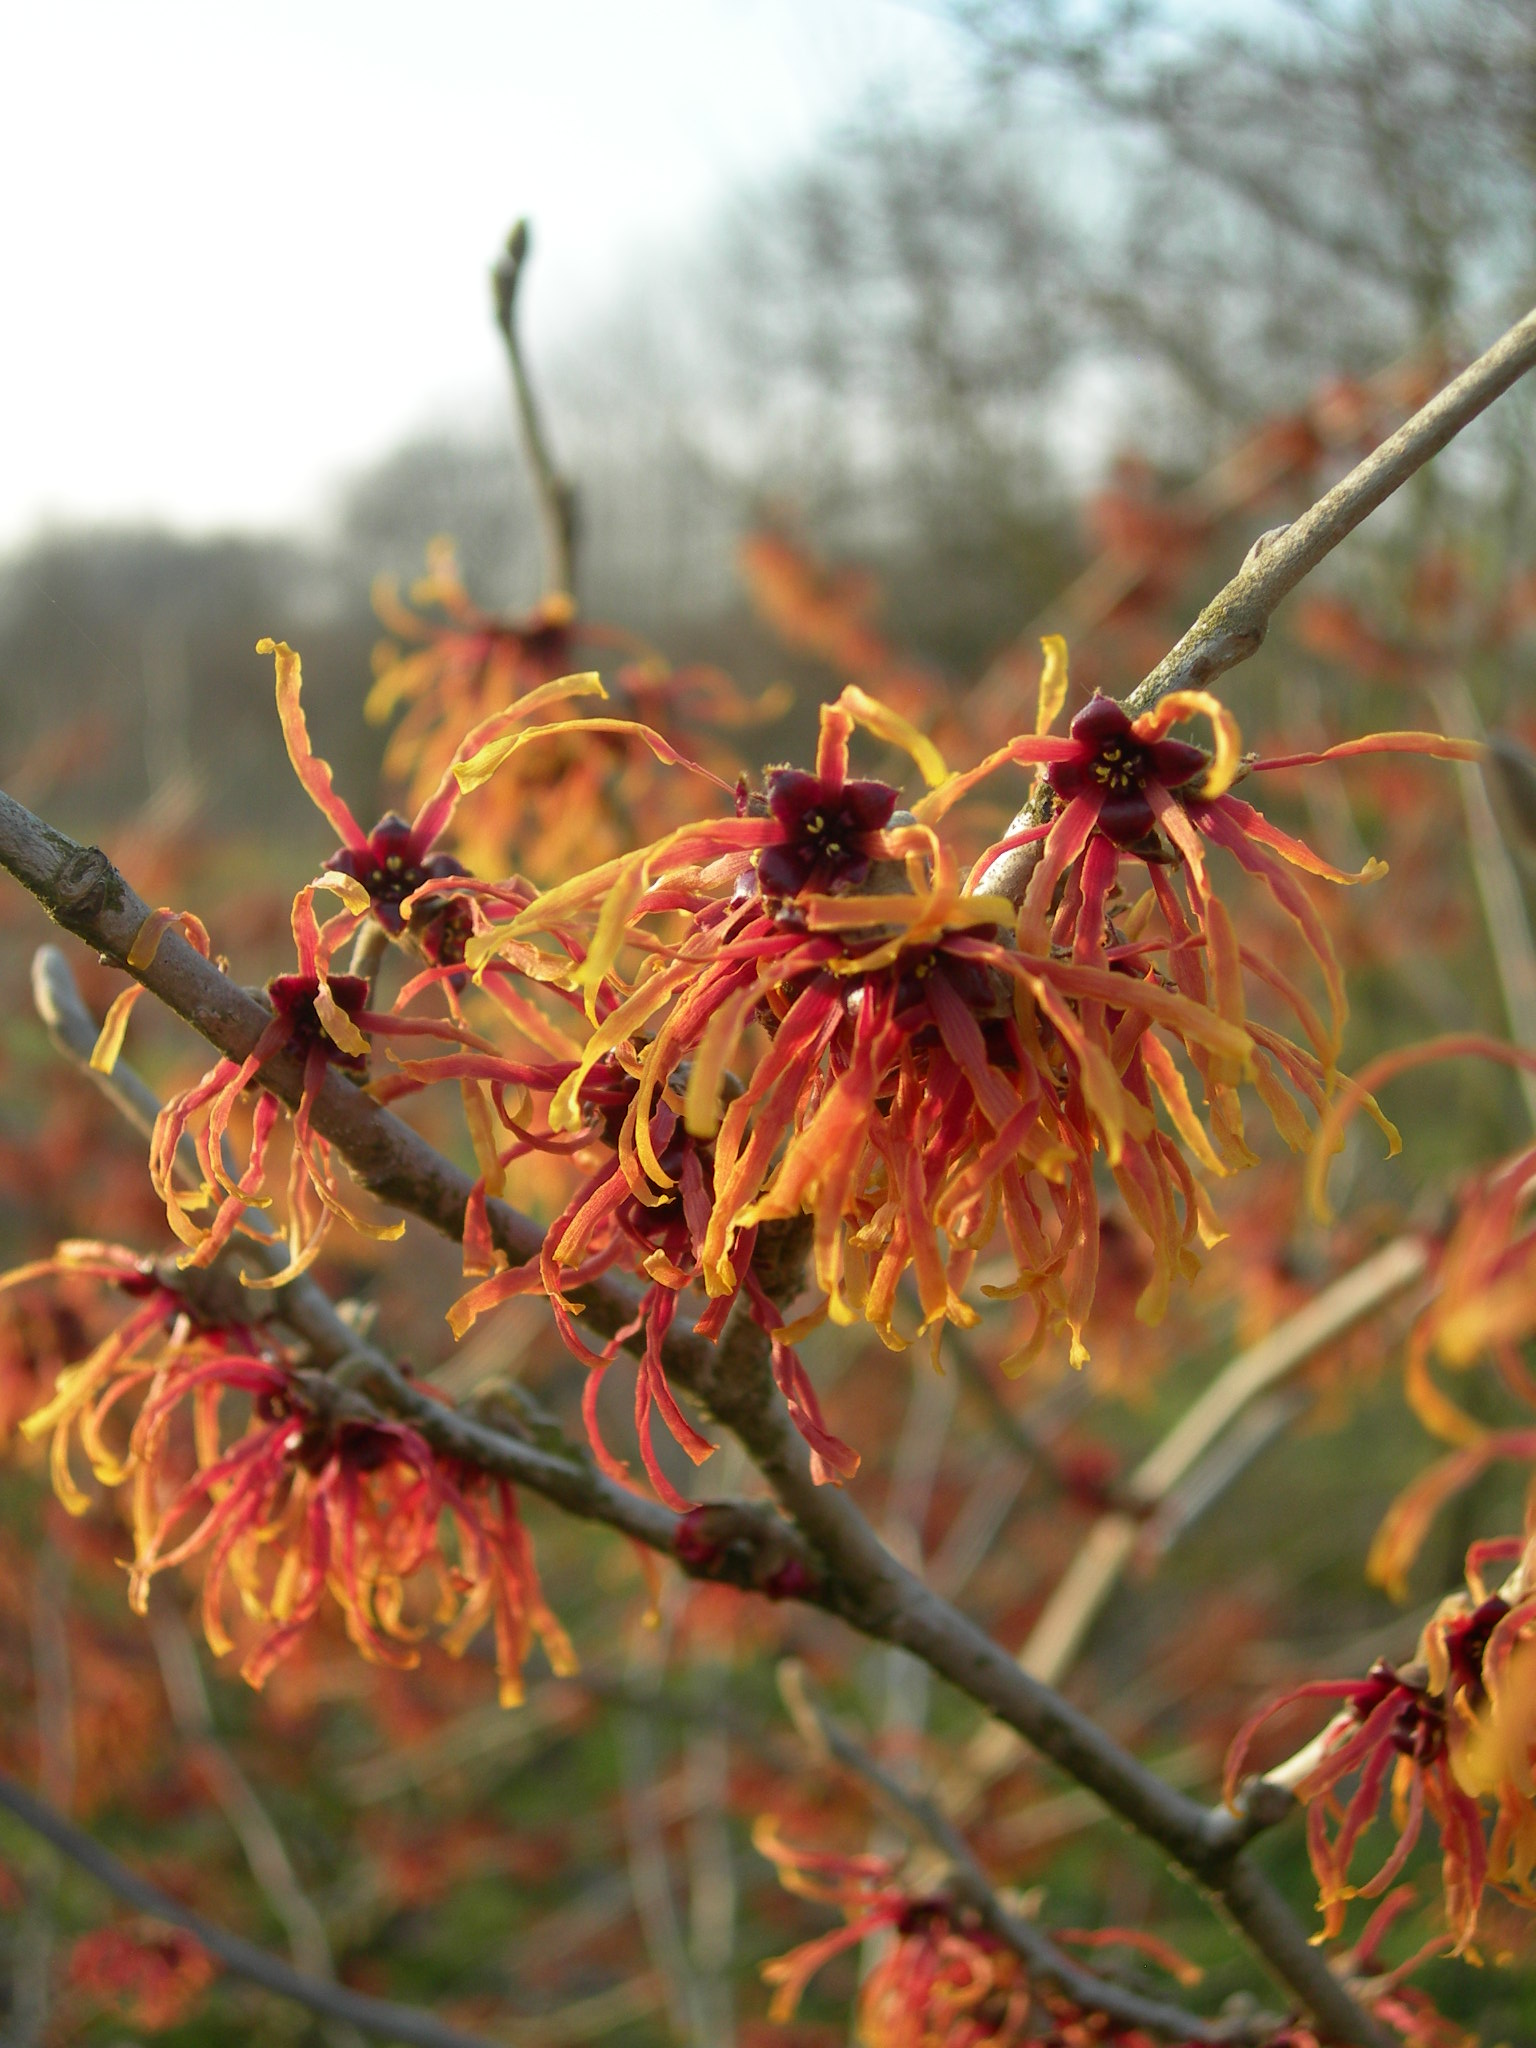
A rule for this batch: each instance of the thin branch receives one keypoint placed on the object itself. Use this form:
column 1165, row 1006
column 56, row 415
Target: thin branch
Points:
column 1498, row 886
column 645, row 1842
column 1233, row 483
column 855, row 1575
column 1233, row 624
column 1059, row 1633
column 53, row 1713
column 555, row 494
column 253, row 1826
column 879, row 1596
column 549, row 1465
column 378, row 2016
column 973, row 1888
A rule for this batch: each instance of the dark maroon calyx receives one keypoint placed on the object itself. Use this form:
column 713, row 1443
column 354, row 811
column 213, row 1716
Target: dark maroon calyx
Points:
column 609, row 1091
column 1466, row 1643
column 293, row 999
column 359, row 1446
column 719, row 1540
column 392, row 867
column 973, row 981
column 1113, row 760
column 826, row 832
column 443, row 930
column 1417, row 1728
column 545, row 637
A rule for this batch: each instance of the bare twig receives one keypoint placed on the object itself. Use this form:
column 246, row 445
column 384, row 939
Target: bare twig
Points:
column 1233, row 624
column 1498, row 885
column 1063, row 1626
column 1234, row 483
column 853, row 1574
column 650, row 1866
column 973, row 1888
column 54, row 1715
column 872, row 1590
column 376, row 2016
column 555, row 494
column 237, row 1797
column 551, row 1466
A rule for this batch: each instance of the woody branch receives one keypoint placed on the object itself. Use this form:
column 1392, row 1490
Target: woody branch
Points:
column 1232, row 626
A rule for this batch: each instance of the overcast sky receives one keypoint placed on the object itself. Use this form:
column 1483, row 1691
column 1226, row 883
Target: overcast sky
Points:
column 245, row 242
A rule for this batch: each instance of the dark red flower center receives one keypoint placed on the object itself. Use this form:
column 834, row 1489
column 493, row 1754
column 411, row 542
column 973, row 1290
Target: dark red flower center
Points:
column 1466, row 1643
column 826, row 831
column 293, row 999
column 1112, row 760
column 392, row 867
column 1417, row 1728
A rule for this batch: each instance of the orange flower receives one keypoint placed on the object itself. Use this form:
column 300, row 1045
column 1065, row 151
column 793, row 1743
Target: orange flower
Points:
column 152, row 1973
column 942, row 1979
column 1439, row 1735
column 303, row 1503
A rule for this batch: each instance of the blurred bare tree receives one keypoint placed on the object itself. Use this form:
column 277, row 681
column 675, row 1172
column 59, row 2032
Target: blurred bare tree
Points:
column 1149, row 223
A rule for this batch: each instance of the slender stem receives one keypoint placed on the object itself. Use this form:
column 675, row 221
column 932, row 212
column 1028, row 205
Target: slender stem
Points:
column 1062, row 1628
column 880, row 1597
column 555, row 494
column 1236, row 481
column 1233, row 624
column 973, row 1888
column 550, row 1465
column 54, row 1716
column 253, row 1826
column 1498, row 885
column 377, row 2016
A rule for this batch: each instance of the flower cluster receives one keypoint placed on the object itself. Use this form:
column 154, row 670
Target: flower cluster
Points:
column 942, row 1979
column 1438, row 1737
column 313, row 1494
column 449, row 665
column 931, row 1074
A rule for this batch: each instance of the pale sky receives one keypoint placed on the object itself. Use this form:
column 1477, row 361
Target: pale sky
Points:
column 246, row 242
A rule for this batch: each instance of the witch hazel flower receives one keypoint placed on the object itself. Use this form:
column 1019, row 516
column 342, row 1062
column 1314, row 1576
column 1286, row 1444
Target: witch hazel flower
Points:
column 162, row 1321
column 615, row 1218
column 1436, row 1739
column 451, row 664
column 940, row 1975
column 1121, row 780
column 467, row 662
column 926, row 1083
column 311, row 1501
column 322, row 1021
column 388, row 866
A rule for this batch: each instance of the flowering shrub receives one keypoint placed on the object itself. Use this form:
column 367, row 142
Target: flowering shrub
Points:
column 940, row 1038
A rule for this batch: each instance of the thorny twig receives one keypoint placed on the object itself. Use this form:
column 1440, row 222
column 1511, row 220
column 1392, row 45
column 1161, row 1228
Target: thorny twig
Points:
column 854, row 1575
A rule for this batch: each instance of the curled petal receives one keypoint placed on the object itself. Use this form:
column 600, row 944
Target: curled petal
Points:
column 313, row 771
column 1179, row 704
